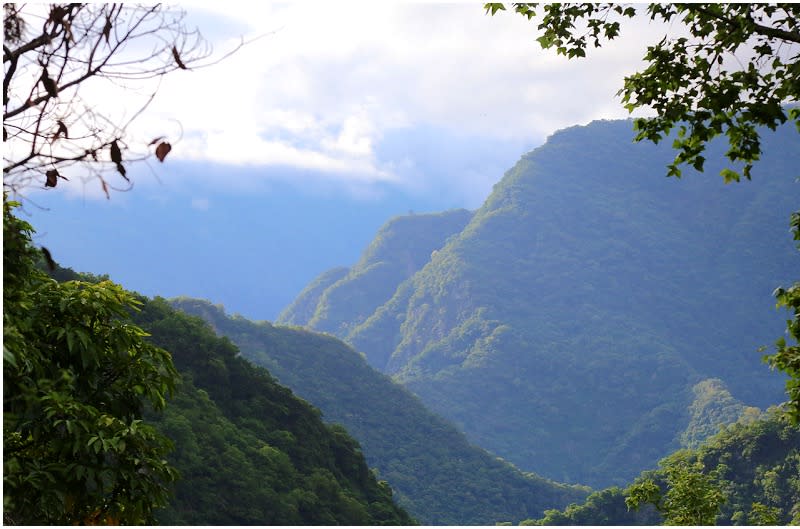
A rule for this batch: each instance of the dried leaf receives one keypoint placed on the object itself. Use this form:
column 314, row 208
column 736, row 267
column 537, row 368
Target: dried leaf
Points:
column 116, row 153
column 49, row 84
column 62, row 129
column 105, row 188
column 52, row 178
column 107, row 29
column 121, row 170
column 163, row 150
column 178, row 59
column 156, row 140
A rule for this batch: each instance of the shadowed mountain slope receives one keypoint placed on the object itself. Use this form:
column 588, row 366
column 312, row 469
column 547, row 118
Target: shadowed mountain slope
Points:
column 565, row 327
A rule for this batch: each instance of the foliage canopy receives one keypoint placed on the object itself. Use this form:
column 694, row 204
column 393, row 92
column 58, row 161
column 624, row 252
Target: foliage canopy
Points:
column 77, row 378
column 695, row 82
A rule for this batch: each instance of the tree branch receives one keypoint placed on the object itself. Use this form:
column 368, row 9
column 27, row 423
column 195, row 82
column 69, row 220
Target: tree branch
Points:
column 775, row 33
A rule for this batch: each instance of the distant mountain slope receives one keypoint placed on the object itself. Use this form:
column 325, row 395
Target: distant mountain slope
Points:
column 434, row 472
column 713, row 408
column 304, row 306
column 565, row 327
column 758, row 460
column 402, row 246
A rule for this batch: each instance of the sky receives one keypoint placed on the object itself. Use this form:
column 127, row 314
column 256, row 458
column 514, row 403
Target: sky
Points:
column 343, row 110
column 338, row 90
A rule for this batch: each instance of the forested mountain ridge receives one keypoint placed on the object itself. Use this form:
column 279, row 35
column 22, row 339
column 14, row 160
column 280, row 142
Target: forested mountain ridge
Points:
column 753, row 463
column 249, row 452
column 433, row 470
column 336, row 302
column 565, row 327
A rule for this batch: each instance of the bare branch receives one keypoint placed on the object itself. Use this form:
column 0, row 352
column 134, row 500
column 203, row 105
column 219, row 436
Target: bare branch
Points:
column 47, row 125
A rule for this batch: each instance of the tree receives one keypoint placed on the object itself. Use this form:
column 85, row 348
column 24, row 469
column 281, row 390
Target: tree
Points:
column 692, row 497
column 77, row 377
column 787, row 355
column 761, row 514
column 53, row 54
column 697, row 84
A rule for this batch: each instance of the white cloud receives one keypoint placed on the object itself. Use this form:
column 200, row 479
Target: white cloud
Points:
column 326, row 83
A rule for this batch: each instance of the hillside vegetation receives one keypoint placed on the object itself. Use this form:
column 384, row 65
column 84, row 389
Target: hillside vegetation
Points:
column 754, row 464
column 435, row 473
column 565, row 327
column 341, row 299
column 247, row 450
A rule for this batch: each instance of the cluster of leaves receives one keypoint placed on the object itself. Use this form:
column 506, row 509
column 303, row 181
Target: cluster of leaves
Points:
column 434, row 471
column 692, row 497
column 787, row 356
column 77, row 377
column 695, row 83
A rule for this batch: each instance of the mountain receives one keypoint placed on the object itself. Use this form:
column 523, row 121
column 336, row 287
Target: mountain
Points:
column 565, row 327
column 435, row 473
column 248, row 451
column 756, row 461
column 336, row 301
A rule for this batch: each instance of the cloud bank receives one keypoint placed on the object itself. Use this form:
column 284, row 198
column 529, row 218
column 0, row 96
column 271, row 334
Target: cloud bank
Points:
column 327, row 84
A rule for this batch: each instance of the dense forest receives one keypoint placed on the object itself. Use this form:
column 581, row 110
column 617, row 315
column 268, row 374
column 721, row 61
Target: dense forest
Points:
column 246, row 450
column 589, row 285
column 753, row 466
column 268, row 456
column 435, row 473
column 229, row 444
